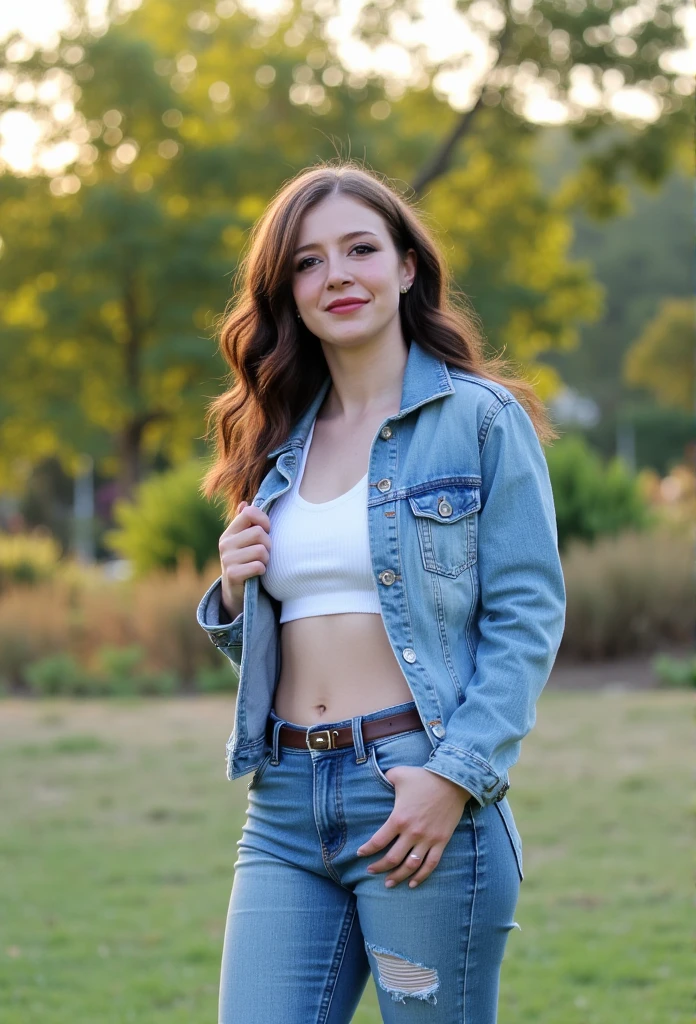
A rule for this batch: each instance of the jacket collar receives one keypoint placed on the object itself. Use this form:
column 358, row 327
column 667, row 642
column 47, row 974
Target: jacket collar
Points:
column 426, row 378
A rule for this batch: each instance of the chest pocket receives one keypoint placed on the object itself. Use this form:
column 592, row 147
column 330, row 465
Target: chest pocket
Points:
column 446, row 517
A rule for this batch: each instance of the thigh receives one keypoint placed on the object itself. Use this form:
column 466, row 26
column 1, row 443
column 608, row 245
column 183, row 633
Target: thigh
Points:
column 436, row 951
column 293, row 950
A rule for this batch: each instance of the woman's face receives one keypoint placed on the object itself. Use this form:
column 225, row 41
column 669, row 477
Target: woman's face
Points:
column 344, row 251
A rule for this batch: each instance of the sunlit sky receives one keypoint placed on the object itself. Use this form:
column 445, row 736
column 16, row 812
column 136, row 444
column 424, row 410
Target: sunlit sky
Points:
column 444, row 32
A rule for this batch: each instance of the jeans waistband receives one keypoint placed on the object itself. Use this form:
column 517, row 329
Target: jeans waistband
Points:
column 275, row 723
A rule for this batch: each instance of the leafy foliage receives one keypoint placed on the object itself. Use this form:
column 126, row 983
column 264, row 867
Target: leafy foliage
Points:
column 114, row 272
column 167, row 517
column 27, row 558
column 663, row 358
column 591, row 498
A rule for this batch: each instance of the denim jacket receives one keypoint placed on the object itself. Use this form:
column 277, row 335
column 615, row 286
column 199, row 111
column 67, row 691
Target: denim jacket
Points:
column 463, row 543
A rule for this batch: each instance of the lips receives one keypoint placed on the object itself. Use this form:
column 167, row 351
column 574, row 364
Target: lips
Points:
column 345, row 305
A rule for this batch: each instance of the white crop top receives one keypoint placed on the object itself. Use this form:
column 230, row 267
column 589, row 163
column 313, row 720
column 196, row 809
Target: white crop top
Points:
column 319, row 562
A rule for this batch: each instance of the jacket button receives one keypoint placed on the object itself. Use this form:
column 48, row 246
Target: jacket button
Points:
column 387, row 577
column 502, row 792
column 409, row 654
column 384, row 484
column 444, row 508
column 439, row 731
column 386, row 432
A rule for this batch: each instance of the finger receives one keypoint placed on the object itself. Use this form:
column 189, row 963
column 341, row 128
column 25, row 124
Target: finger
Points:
column 379, row 840
column 427, row 867
column 393, row 858
column 411, row 863
column 249, row 515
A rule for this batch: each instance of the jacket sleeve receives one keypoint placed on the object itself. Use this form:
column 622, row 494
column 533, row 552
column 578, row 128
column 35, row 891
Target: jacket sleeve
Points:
column 521, row 614
column 213, row 618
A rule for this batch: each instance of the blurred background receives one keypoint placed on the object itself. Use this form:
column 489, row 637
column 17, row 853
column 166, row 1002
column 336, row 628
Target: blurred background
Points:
column 550, row 146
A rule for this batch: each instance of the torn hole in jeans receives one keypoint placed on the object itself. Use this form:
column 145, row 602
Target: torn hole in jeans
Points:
column 403, row 978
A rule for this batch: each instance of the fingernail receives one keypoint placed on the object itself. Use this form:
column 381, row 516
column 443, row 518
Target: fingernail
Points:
column 389, row 885
column 371, row 870
column 412, row 885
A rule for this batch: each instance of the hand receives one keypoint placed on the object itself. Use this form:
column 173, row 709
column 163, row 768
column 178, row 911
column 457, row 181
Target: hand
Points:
column 427, row 810
column 244, row 551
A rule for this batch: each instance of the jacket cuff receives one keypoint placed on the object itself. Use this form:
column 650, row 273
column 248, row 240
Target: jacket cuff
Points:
column 469, row 771
column 211, row 617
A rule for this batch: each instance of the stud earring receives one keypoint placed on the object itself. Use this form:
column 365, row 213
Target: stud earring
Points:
column 297, row 314
column 404, row 288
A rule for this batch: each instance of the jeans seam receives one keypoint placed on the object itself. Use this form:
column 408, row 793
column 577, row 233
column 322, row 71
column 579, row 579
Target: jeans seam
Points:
column 471, row 917
column 324, row 1017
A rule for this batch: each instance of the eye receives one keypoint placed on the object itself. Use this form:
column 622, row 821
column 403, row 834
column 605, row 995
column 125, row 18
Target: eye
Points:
column 303, row 263
column 361, row 245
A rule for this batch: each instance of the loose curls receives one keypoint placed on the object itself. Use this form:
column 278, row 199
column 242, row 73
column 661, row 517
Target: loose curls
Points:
column 278, row 364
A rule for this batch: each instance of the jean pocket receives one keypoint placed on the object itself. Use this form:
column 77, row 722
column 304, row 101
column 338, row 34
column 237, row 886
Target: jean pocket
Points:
column 446, row 516
column 259, row 773
column 407, row 748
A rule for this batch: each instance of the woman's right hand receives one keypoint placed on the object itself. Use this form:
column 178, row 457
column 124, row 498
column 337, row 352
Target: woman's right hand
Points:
column 244, row 551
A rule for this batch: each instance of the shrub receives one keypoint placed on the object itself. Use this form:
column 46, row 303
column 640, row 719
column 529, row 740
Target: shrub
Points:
column 55, row 674
column 675, row 671
column 127, row 635
column 121, row 672
column 168, row 517
column 27, row 558
column 220, row 679
column 591, row 498
column 630, row 593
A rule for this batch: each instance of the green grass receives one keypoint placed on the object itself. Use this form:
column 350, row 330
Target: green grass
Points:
column 118, row 833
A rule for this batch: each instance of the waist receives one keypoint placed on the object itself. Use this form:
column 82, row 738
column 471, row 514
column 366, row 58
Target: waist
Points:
column 334, row 736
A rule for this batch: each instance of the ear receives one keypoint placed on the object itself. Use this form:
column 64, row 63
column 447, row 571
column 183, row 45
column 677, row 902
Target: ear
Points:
column 409, row 264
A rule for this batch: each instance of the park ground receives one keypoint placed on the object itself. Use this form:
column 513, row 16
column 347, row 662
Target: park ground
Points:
column 118, row 835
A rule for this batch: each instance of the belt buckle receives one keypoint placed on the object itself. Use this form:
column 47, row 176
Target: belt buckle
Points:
column 323, row 739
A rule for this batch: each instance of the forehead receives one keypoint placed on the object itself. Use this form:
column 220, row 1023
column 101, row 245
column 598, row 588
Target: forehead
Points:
column 334, row 216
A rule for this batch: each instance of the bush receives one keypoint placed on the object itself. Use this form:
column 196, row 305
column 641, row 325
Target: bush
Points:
column 631, row 593
column 121, row 672
column 591, row 498
column 167, row 518
column 96, row 620
column 55, row 674
column 27, row 558
column 220, row 679
column 118, row 672
column 671, row 671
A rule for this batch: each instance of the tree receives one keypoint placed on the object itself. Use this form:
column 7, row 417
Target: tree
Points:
column 185, row 123
column 662, row 360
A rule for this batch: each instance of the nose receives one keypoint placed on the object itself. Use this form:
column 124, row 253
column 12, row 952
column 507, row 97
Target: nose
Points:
column 337, row 274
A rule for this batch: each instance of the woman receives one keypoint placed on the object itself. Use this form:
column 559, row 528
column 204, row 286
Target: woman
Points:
column 392, row 595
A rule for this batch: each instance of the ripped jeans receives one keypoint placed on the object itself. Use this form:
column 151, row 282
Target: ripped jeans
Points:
column 307, row 923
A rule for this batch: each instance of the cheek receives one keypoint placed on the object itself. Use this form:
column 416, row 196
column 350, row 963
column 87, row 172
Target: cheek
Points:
column 302, row 290
column 380, row 279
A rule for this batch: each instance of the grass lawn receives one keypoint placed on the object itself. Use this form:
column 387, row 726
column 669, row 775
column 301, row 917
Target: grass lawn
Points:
column 118, row 834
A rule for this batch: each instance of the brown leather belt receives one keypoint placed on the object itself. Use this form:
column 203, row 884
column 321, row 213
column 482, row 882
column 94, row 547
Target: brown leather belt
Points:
column 330, row 739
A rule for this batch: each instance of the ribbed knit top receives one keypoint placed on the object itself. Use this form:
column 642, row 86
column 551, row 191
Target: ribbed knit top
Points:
column 320, row 555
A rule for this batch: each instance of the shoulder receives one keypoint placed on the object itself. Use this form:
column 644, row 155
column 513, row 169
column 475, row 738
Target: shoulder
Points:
column 477, row 401
column 479, row 389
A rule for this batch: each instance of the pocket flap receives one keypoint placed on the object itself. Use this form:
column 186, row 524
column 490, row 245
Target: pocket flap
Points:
column 446, row 502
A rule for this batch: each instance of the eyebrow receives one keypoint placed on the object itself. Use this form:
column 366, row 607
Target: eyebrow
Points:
column 343, row 238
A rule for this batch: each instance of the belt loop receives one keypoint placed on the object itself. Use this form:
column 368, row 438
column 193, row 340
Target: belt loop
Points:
column 360, row 755
column 275, row 749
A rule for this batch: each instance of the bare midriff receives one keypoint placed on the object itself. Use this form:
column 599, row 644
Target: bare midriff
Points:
column 335, row 667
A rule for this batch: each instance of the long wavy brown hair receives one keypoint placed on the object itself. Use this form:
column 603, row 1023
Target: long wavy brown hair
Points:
column 277, row 364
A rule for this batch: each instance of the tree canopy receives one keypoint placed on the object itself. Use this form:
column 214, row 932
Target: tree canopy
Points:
column 187, row 118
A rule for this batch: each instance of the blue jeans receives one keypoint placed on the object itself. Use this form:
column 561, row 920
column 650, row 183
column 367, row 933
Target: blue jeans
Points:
column 306, row 922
